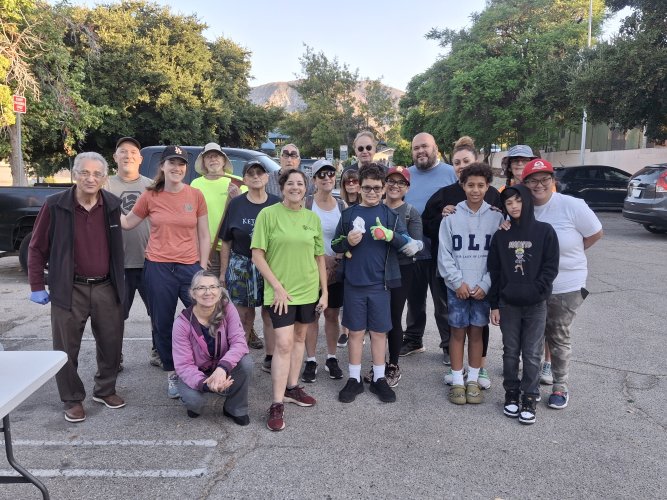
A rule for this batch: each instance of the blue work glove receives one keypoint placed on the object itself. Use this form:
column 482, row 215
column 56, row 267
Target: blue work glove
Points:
column 40, row 297
column 411, row 247
column 379, row 232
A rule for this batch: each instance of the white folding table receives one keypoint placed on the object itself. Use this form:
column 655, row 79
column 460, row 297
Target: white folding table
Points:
column 21, row 374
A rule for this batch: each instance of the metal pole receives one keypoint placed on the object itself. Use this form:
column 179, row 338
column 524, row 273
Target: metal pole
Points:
column 22, row 180
column 582, row 150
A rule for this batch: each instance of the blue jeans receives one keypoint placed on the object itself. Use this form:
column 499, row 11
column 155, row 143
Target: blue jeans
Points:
column 523, row 335
column 236, row 402
column 166, row 282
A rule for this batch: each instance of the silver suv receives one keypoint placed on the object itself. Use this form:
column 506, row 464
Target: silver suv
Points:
column 646, row 202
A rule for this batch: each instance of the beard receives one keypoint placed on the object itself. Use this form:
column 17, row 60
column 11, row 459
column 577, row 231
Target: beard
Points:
column 426, row 162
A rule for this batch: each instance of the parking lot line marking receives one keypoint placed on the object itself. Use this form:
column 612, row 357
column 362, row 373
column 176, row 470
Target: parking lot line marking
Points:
column 206, row 443
column 172, row 473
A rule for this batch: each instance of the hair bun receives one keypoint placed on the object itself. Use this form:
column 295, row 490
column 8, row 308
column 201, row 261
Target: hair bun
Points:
column 464, row 142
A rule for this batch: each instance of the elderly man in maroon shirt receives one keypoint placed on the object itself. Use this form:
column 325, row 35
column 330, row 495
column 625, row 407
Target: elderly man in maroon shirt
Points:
column 78, row 233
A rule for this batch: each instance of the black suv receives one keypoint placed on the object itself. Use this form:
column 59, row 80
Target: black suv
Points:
column 600, row 186
column 647, row 198
column 238, row 157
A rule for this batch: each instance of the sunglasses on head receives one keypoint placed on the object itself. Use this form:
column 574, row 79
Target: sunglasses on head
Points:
column 288, row 154
column 325, row 173
column 367, row 148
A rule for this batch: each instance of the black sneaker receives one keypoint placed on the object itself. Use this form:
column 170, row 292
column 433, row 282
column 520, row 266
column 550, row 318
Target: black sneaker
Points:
column 528, row 408
column 408, row 349
column 342, row 340
column 334, row 370
column 349, row 393
column 383, row 391
column 309, row 374
column 511, row 408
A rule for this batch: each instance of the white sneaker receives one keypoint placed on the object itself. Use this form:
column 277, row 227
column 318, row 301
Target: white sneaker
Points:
column 449, row 376
column 483, row 379
column 172, row 387
column 546, row 377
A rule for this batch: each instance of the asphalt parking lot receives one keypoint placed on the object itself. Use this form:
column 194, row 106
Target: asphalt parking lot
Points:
column 611, row 441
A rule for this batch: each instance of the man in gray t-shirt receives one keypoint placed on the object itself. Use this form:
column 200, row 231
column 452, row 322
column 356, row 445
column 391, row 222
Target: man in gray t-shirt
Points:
column 128, row 184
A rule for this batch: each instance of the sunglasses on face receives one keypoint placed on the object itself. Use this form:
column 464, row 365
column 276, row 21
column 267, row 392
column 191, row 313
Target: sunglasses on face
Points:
column 367, row 148
column 325, row 173
column 397, row 182
column 351, row 181
column 287, row 154
column 254, row 172
column 368, row 189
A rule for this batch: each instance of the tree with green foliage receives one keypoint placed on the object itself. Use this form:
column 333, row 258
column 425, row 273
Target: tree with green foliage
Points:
column 623, row 82
column 486, row 86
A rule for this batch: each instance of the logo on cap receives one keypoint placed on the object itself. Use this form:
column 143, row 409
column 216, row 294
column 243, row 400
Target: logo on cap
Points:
column 178, row 150
column 538, row 165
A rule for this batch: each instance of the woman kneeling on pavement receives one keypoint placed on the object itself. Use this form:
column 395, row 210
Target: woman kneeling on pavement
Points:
column 288, row 249
column 210, row 351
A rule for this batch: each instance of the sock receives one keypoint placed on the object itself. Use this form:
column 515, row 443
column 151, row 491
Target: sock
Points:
column 311, row 358
column 329, row 356
column 473, row 374
column 378, row 372
column 457, row 377
column 355, row 372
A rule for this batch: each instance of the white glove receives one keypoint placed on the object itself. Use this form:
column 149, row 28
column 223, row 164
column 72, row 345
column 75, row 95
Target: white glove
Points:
column 411, row 247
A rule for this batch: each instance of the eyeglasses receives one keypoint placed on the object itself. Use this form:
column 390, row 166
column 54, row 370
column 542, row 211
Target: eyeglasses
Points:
column 367, row 148
column 375, row 189
column 351, row 181
column 254, row 172
column 325, row 173
column 399, row 183
column 85, row 174
column 288, row 154
column 519, row 160
column 204, row 289
column 545, row 181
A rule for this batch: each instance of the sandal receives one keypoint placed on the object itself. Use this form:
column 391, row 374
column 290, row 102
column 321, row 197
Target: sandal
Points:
column 457, row 394
column 473, row 393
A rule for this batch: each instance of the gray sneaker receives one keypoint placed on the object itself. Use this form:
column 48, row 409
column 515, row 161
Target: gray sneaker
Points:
column 393, row 374
column 546, row 377
column 154, row 358
column 172, row 385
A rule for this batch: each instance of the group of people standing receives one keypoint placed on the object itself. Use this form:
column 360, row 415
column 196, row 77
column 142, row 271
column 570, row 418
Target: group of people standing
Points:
column 282, row 242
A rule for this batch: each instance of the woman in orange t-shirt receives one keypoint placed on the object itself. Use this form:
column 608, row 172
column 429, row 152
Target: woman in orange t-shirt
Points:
column 178, row 247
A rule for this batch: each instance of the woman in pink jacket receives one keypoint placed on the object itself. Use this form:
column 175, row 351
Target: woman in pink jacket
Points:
column 210, row 351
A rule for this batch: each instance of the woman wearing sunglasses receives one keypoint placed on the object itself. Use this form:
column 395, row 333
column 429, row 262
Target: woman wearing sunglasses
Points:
column 328, row 209
column 349, row 187
column 210, row 351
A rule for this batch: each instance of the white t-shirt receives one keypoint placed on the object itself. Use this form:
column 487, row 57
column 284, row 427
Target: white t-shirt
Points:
column 329, row 220
column 573, row 221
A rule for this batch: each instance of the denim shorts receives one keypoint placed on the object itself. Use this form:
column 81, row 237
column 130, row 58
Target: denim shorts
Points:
column 462, row 313
column 367, row 308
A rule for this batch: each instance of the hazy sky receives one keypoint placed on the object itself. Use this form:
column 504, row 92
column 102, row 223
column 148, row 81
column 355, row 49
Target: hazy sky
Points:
column 382, row 39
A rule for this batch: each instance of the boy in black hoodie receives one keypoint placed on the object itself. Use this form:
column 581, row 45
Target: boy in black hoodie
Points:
column 523, row 263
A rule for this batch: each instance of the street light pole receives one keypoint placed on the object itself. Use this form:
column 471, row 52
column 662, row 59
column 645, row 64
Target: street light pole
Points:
column 582, row 150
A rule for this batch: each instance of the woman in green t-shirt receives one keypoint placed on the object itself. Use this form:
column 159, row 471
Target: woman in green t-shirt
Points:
column 288, row 249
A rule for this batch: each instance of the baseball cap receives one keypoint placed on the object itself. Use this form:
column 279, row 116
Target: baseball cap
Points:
column 174, row 152
column 400, row 170
column 128, row 139
column 211, row 146
column 319, row 165
column 254, row 163
column 535, row 167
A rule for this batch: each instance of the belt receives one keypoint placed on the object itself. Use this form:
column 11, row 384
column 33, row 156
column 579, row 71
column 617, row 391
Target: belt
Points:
column 91, row 280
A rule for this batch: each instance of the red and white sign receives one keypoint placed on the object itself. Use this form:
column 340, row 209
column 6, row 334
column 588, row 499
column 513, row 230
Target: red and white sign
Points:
column 20, row 104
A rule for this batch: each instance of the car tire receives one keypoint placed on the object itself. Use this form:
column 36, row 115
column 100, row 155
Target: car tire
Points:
column 23, row 252
column 654, row 230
